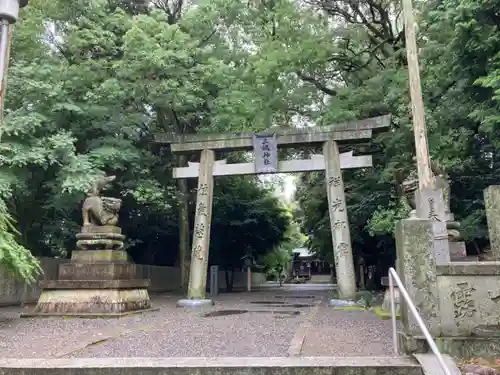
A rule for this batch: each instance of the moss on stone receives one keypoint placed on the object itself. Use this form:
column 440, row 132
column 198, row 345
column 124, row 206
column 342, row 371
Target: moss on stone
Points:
column 384, row 314
column 349, row 308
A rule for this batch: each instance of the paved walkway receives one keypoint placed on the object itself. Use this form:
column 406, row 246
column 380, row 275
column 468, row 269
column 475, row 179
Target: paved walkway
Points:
column 347, row 333
column 287, row 322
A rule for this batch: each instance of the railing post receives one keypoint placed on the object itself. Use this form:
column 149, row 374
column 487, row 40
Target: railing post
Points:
column 393, row 276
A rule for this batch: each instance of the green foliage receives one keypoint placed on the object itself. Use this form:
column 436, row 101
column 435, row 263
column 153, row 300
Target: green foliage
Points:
column 384, row 219
column 14, row 257
column 276, row 261
column 247, row 220
column 459, row 59
column 90, row 84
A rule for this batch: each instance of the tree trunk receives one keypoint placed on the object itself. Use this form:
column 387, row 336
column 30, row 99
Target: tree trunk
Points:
column 184, row 253
column 3, row 84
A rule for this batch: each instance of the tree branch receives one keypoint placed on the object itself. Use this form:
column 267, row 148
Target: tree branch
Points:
column 317, row 84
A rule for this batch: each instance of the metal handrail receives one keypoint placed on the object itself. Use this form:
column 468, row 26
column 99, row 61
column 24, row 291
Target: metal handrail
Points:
column 393, row 276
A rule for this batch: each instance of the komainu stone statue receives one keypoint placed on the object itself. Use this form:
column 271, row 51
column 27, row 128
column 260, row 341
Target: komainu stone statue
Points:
column 100, row 219
column 99, row 210
column 100, row 280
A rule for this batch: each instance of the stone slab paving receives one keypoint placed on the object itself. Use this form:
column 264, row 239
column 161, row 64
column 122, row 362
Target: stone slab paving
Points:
column 347, row 333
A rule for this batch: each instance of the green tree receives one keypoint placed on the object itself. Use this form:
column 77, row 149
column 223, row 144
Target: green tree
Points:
column 458, row 114
column 13, row 256
column 277, row 261
column 86, row 96
column 247, row 220
column 91, row 83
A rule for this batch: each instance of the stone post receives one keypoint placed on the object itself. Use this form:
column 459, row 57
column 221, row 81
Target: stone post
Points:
column 430, row 205
column 416, row 266
column 214, row 281
column 492, row 207
column 201, row 233
column 341, row 237
column 249, row 279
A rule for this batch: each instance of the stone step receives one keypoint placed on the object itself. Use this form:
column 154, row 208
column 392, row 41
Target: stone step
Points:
column 210, row 366
column 430, row 364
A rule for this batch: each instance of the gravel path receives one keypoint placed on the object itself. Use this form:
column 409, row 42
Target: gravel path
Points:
column 347, row 333
column 169, row 332
column 178, row 332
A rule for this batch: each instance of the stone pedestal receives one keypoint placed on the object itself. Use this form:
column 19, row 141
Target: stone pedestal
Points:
column 492, row 207
column 416, row 266
column 430, row 205
column 457, row 251
column 98, row 282
column 386, row 304
column 459, row 301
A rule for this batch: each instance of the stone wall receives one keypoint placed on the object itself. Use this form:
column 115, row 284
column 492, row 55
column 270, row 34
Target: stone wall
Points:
column 163, row 279
column 469, row 297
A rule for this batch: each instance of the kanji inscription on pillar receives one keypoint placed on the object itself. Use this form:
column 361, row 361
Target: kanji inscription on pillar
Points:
column 198, row 252
column 341, row 238
column 433, row 215
column 334, row 181
column 265, row 149
column 201, row 229
column 337, row 204
column 203, row 189
column 202, row 209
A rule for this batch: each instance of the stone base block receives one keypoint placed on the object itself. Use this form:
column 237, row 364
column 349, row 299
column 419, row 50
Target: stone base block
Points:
column 464, row 347
column 97, row 256
column 97, row 271
column 94, row 284
column 97, row 302
column 101, row 229
column 195, row 302
column 457, row 251
column 386, row 304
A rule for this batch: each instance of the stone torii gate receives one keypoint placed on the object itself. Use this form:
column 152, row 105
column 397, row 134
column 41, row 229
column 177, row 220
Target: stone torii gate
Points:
column 265, row 146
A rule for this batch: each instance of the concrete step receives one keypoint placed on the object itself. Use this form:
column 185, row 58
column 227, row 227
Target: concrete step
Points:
column 430, row 364
column 211, row 366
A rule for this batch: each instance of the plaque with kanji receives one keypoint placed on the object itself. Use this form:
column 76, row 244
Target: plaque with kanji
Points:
column 265, row 150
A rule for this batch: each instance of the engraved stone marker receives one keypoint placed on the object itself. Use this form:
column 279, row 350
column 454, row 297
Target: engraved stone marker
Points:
column 492, row 207
column 265, row 150
column 214, row 281
column 344, row 264
column 416, row 266
column 430, row 205
column 463, row 301
column 201, row 231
